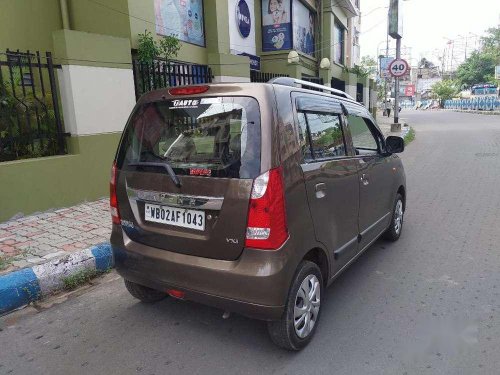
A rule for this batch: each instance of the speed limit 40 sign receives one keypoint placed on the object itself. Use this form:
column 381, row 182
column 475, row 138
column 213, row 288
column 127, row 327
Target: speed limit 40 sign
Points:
column 398, row 68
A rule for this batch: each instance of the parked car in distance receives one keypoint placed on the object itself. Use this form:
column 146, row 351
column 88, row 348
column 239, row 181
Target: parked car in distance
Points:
column 252, row 197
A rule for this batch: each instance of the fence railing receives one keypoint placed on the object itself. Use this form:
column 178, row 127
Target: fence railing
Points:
column 30, row 117
column 256, row 76
column 317, row 80
column 159, row 74
column 359, row 93
column 485, row 103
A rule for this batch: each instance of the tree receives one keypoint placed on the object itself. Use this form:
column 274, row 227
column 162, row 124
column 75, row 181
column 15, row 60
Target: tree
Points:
column 478, row 68
column 369, row 64
column 491, row 42
column 150, row 49
column 367, row 67
column 425, row 64
column 444, row 90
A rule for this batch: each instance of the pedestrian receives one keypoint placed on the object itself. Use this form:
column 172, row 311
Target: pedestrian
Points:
column 388, row 108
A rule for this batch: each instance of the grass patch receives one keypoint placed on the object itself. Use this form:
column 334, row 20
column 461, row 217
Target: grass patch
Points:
column 80, row 278
column 4, row 263
column 410, row 136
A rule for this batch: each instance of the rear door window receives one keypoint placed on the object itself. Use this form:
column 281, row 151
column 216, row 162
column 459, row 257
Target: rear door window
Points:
column 215, row 136
column 320, row 128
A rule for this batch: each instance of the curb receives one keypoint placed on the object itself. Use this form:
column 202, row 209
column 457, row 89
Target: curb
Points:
column 21, row 287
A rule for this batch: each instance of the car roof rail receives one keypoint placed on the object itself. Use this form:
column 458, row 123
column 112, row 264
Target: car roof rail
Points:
column 294, row 82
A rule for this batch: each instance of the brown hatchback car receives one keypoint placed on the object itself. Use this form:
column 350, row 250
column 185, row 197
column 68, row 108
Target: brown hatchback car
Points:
column 251, row 197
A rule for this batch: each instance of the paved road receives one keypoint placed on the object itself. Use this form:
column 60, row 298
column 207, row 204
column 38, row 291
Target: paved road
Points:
column 428, row 304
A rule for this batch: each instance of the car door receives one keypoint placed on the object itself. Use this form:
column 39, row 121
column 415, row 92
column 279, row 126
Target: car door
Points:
column 375, row 178
column 330, row 176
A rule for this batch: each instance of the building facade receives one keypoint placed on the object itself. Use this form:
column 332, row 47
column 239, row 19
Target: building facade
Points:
column 94, row 43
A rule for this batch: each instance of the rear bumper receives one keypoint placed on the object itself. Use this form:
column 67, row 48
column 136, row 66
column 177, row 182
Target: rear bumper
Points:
column 255, row 285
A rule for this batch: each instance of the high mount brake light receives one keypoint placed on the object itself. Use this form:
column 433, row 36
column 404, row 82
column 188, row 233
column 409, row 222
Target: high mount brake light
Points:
column 190, row 90
column 267, row 227
column 113, row 199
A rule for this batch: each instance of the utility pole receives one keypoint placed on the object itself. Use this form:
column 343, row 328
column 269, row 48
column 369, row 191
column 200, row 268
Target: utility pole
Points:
column 396, row 32
column 396, row 85
column 386, row 56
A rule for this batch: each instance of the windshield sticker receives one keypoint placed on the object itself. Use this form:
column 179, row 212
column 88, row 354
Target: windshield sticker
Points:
column 211, row 100
column 187, row 103
column 200, row 172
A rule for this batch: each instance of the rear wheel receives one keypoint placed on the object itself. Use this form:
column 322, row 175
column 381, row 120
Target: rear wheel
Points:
column 394, row 231
column 144, row 294
column 300, row 319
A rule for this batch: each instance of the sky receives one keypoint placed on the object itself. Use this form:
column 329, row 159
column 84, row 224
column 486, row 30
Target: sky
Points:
column 428, row 26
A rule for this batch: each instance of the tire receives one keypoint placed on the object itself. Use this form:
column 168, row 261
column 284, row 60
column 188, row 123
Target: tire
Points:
column 283, row 332
column 396, row 227
column 144, row 294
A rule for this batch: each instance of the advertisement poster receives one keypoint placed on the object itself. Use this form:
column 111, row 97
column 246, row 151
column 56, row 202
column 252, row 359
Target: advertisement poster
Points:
column 384, row 66
column 276, row 25
column 242, row 30
column 303, row 28
column 182, row 18
column 409, row 90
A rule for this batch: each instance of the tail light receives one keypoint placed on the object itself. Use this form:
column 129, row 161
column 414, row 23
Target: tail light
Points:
column 113, row 200
column 267, row 227
column 190, row 90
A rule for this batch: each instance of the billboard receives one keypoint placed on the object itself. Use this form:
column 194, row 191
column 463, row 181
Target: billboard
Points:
column 276, row 25
column 409, row 90
column 395, row 19
column 497, row 72
column 384, row 67
column 242, row 30
column 181, row 18
column 303, row 28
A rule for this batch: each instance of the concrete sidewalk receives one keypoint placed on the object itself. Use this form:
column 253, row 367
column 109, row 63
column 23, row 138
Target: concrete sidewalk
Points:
column 39, row 252
column 35, row 239
column 385, row 124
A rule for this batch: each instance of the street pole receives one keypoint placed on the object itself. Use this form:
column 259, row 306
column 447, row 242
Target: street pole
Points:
column 386, row 56
column 396, row 84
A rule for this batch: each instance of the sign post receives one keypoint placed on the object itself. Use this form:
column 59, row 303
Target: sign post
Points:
column 395, row 31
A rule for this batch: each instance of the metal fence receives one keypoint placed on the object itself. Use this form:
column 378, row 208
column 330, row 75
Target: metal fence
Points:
column 359, row 93
column 160, row 73
column 256, row 76
column 30, row 117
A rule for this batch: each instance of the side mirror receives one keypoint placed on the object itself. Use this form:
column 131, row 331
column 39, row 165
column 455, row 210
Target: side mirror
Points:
column 394, row 145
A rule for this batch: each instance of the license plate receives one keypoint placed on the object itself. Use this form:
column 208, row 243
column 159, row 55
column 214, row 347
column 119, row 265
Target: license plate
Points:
column 179, row 217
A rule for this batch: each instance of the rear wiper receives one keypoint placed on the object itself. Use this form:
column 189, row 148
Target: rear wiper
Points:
column 164, row 165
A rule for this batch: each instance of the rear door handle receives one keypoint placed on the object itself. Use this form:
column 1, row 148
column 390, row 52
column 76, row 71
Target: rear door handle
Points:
column 320, row 190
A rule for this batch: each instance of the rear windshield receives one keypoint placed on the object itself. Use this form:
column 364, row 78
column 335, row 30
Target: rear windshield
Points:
column 216, row 136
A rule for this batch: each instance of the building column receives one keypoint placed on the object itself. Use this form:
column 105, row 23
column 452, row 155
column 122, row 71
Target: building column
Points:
column 97, row 82
column 366, row 90
column 351, row 81
column 326, row 75
column 225, row 66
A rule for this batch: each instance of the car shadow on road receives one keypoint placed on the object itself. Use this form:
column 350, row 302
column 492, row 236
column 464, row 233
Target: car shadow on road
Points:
column 207, row 325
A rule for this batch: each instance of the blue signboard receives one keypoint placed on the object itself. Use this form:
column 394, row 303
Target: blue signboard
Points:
column 276, row 25
column 254, row 60
column 243, row 19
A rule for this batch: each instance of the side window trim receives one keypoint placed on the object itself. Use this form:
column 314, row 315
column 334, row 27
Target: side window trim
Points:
column 351, row 151
column 318, row 110
column 309, row 137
